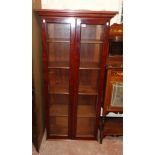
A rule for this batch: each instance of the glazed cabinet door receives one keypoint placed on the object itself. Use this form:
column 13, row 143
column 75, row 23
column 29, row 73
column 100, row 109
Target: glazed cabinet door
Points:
column 58, row 38
column 91, row 52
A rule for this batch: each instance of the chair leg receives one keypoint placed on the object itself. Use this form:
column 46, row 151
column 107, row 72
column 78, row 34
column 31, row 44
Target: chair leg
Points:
column 101, row 129
column 101, row 137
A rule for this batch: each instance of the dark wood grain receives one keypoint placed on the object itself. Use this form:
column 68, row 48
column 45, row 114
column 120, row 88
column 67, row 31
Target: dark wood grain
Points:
column 72, row 77
column 74, row 65
column 113, row 126
column 102, row 73
column 75, row 13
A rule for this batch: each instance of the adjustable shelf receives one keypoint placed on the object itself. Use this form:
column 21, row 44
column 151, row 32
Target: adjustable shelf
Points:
column 58, row 90
column 58, row 40
column 58, row 65
column 91, row 42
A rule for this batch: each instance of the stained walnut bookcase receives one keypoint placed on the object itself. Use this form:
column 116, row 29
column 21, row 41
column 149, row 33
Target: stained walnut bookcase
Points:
column 75, row 47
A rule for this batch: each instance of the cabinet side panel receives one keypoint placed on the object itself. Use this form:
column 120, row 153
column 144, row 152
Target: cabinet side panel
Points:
column 38, row 105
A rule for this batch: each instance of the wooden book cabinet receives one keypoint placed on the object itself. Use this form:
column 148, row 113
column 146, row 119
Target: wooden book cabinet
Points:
column 75, row 47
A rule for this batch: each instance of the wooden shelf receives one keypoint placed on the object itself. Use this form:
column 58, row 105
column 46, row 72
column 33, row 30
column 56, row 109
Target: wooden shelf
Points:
column 58, row 99
column 90, row 68
column 83, row 90
column 85, row 135
column 64, row 91
column 87, row 90
column 91, row 41
column 86, row 111
column 89, row 65
column 61, row 65
column 58, row 90
column 59, row 110
column 58, row 40
column 65, row 65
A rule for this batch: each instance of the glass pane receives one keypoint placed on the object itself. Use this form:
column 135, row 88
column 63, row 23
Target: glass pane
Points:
column 90, row 55
column 87, row 99
column 117, row 95
column 58, row 54
column 58, row 104
column 57, row 31
column 58, row 39
column 86, row 106
column 58, row 111
column 88, row 81
column 92, row 32
column 59, row 126
column 85, row 127
column 91, row 46
column 58, row 81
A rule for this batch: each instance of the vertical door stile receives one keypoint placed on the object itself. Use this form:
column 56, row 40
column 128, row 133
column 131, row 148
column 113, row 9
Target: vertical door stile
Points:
column 102, row 71
column 71, row 78
column 76, row 74
column 45, row 69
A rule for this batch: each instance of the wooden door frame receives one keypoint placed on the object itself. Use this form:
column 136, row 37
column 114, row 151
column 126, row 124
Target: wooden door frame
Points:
column 91, row 21
column 59, row 20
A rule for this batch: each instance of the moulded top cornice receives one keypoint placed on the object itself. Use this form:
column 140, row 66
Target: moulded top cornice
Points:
column 75, row 13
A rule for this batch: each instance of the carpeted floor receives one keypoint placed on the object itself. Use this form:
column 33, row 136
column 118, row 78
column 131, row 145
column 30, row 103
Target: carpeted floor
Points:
column 110, row 146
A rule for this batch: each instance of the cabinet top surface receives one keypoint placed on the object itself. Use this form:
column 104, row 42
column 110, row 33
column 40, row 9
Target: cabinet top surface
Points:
column 75, row 13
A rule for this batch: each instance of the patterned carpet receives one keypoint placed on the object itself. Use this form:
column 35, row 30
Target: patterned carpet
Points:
column 110, row 146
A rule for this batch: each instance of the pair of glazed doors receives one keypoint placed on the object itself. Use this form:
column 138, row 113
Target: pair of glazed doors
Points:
column 74, row 58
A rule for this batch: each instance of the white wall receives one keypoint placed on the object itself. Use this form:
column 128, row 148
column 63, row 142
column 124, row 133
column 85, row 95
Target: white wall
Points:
column 108, row 5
